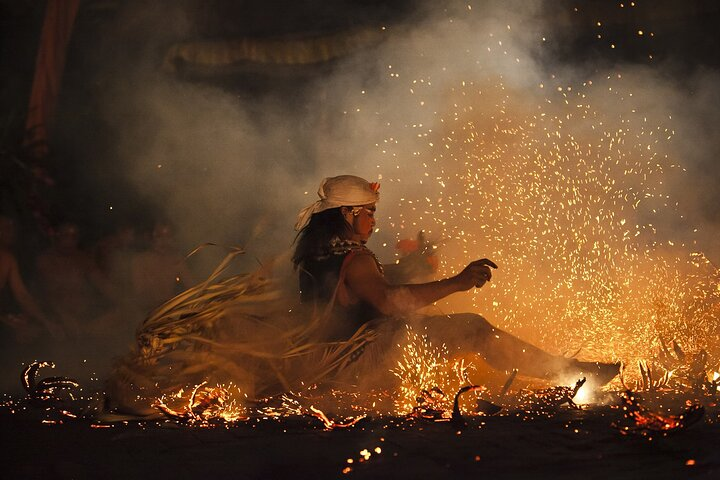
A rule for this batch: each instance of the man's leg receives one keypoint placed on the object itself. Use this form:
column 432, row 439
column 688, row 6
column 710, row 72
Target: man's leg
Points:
column 472, row 333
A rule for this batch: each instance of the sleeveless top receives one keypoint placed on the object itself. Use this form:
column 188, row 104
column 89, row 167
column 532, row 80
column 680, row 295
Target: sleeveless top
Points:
column 322, row 282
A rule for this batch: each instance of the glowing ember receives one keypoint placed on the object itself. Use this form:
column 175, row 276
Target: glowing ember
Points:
column 202, row 405
column 551, row 398
column 331, row 424
column 425, row 373
column 646, row 422
column 50, row 389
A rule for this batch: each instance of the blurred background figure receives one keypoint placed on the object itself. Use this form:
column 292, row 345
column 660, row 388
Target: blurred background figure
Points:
column 160, row 272
column 20, row 316
column 72, row 285
column 417, row 263
column 113, row 254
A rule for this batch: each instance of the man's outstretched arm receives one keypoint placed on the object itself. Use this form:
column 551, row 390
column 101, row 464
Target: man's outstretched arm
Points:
column 367, row 283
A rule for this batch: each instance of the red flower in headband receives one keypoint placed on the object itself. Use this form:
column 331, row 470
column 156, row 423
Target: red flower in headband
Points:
column 375, row 187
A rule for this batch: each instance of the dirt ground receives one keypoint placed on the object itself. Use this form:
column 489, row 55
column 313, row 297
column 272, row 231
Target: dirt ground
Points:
column 565, row 444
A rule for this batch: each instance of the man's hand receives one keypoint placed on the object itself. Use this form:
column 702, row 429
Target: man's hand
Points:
column 475, row 274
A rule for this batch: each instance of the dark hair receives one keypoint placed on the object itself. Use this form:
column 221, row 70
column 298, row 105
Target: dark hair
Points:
column 314, row 239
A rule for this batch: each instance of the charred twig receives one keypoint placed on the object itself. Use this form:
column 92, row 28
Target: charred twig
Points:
column 647, row 383
column 332, row 424
column 461, row 370
column 165, row 409
column 47, row 388
column 682, row 371
column 483, row 406
column 678, row 351
column 429, row 405
column 577, row 352
column 508, row 383
column 204, row 404
column 29, row 374
column 192, row 403
column 551, row 398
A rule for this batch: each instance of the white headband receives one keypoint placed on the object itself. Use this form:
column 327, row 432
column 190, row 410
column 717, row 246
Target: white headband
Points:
column 342, row 191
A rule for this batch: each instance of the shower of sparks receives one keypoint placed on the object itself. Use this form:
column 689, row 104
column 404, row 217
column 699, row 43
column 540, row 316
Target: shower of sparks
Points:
column 555, row 203
column 565, row 186
column 426, row 368
column 202, row 404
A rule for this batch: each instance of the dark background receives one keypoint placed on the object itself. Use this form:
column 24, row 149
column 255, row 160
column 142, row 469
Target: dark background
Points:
column 111, row 38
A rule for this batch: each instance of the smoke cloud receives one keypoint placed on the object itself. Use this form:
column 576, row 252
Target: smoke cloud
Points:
column 453, row 113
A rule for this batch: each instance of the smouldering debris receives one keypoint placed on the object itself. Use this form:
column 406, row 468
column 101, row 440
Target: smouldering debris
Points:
column 331, row 424
column 201, row 405
column 484, row 406
column 47, row 389
column 647, row 423
column 551, row 398
column 674, row 370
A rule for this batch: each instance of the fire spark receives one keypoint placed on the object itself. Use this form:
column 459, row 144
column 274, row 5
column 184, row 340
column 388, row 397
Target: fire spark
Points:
column 203, row 405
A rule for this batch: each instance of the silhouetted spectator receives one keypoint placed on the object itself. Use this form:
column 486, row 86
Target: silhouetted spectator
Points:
column 70, row 281
column 113, row 256
column 159, row 273
column 418, row 261
column 18, row 309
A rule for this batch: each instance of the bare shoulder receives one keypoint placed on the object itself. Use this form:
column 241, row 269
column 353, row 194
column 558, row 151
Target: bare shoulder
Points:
column 363, row 261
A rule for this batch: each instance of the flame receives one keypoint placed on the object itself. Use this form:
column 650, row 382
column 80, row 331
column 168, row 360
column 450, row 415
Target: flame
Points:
column 585, row 395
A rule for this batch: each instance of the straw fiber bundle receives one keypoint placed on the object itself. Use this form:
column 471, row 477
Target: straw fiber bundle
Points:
column 240, row 329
